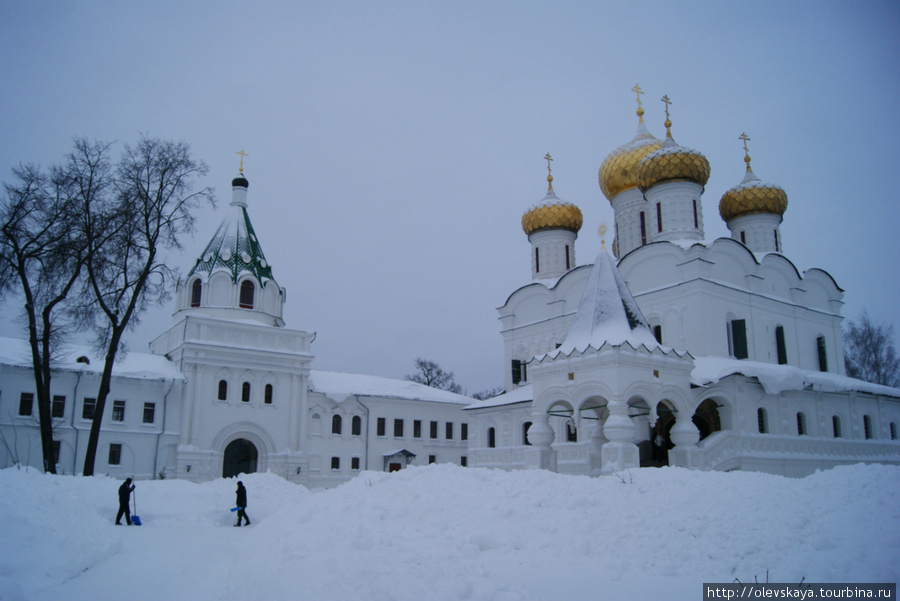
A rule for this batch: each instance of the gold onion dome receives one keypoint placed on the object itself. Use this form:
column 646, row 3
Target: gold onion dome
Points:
column 752, row 196
column 551, row 213
column 618, row 171
column 672, row 162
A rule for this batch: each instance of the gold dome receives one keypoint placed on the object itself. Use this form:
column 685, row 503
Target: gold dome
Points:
column 672, row 163
column 552, row 213
column 618, row 171
column 752, row 196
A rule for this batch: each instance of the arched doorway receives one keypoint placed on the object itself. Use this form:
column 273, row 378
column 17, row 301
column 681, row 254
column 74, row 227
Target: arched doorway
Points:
column 240, row 458
column 707, row 419
column 659, row 435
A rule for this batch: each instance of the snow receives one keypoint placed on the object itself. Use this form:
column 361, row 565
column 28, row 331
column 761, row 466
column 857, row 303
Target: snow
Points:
column 775, row 379
column 14, row 351
column 341, row 386
column 444, row 532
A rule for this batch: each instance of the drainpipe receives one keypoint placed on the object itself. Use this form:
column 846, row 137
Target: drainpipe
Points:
column 162, row 427
column 75, row 404
column 367, row 431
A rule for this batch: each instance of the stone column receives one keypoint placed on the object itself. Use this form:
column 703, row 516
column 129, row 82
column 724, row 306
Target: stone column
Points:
column 684, row 435
column 539, row 455
column 620, row 452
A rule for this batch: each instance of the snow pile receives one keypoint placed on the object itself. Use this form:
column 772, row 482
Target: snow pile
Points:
column 446, row 532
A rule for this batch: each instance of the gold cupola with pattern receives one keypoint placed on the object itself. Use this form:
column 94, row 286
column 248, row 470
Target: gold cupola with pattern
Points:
column 753, row 210
column 552, row 225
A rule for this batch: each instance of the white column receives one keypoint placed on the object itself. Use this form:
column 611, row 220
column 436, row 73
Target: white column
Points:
column 620, row 452
column 684, row 435
column 539, row 455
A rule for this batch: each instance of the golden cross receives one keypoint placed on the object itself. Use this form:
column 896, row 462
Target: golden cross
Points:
column 745, row 138
column 243, row 154
column 637, row 90
column 549, row 172
column 668, row 102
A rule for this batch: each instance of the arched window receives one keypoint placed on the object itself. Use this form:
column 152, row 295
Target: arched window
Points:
column 245, row 392
column 836, row 426
column 571, row 431
column 525, row 427
column 657, row 333
column 780, row 346
column 196, row 289
column 356, row 426
column 223, row 390
column 336, row 424
column 268, row 394
column 492, row 438
column 801, row 423
column 247, row 291
column 823, row 354
column 867, row 426
column 762, row 417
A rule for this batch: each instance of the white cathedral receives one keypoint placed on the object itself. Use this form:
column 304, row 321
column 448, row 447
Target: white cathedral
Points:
column 711, row 355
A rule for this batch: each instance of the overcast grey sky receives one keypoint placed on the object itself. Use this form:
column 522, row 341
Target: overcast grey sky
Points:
column 393, row 146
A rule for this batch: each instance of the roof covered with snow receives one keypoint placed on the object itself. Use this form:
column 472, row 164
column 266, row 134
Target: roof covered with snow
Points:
column 340, row 386
column 522, row 394
column 16, row 352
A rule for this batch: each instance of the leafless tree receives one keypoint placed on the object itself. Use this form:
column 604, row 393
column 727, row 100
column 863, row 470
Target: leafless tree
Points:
column 869, row 352
column 149, row 210
column 431, row 374
column 41, row 256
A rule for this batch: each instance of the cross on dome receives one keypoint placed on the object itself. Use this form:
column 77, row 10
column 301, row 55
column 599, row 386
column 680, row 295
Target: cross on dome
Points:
column 549, row 172
column 243, row 154
column 668, row 122
column 746, row 139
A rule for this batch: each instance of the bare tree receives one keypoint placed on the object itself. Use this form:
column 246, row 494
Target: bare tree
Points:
column 430, row 373
column 150, row 209
column 869, row 352
column 489, row 393
column 41, row 253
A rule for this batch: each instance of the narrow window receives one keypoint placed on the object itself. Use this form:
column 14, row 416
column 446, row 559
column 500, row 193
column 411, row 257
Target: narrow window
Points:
column 836, row 426
column 434, row 430
column 448, row 431
column 356, row 426
column 247, row 291
column 571, row 432
column 417, row 428
column 492, row 438
column 657, row 333
column 516, row 371
column 398, row 428
column 464, row 461
column 743, row 237
column 893, row 430
column 432, row 459
column 381, row 426
column 196, row 289
column 26, row 400
column 118, row 412
column 335, row 463
column 115, row 454
column 696, row 220
column 149, row 413
column 336, row 424
column 58, row 408
column 659, row 217
column 87, row 408
column 801, row 423
column 464, row 431
column 354, row 464
column 267, row 396
column 223, row 390
column 776, row 241
column 823, row 356
column 567, row 258
column 525, row 427
column 779, row 343
column 643, row 229
column 245, row 392
column 762, row 419
column 867, row 427
column 537, row 260
column 738, row 338
column 56, row 446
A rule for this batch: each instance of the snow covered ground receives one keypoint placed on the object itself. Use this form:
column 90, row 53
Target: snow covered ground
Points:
column 445, row 532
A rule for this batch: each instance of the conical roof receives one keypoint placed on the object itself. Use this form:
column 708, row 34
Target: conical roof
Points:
column 607, row 313
column 234, row 247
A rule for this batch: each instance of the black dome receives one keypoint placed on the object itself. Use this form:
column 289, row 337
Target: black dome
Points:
column 240, row 182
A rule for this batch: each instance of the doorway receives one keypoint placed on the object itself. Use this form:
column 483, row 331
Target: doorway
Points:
column 240, row 458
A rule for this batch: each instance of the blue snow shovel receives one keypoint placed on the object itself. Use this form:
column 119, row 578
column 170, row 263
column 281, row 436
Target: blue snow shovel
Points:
column 134, row 518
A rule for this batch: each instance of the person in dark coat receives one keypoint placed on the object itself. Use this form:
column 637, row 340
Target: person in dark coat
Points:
column 124, row 502
column 241, row 503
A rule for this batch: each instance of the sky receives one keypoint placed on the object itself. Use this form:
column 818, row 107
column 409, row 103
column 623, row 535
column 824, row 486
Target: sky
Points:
column 394, row 146
column 525, row 535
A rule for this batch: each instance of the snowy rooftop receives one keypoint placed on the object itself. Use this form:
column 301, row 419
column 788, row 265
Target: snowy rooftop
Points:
column 522, row 394
column 340, row 386
column 16, row 352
